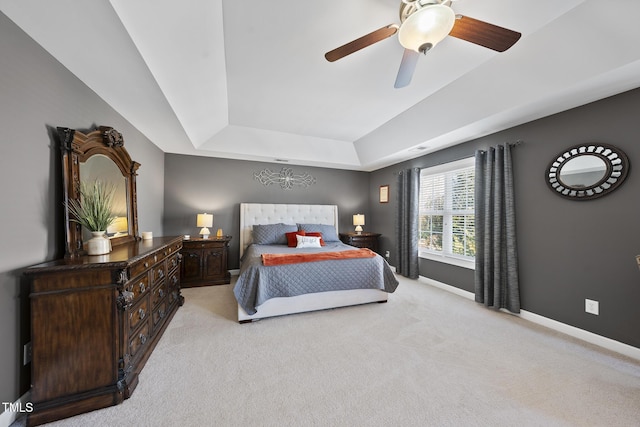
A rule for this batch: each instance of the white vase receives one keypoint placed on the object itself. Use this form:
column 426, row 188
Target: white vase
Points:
column 99, row 244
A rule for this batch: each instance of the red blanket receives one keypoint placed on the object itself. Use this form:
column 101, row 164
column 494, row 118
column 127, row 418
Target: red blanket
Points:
column 279, row 259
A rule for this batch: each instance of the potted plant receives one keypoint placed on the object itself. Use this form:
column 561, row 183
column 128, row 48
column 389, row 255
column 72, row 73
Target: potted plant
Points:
column 93, row 212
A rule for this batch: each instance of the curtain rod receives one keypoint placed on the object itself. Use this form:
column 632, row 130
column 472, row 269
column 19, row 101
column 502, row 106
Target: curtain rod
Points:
column 512, row 144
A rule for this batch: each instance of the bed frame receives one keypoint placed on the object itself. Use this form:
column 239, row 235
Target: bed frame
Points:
column 260, row 213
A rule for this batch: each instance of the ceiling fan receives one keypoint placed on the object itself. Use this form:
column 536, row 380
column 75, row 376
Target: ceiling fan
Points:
column 423, row 24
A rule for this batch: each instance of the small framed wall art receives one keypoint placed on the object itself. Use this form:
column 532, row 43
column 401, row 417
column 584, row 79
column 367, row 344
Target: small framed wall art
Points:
column 384, row 194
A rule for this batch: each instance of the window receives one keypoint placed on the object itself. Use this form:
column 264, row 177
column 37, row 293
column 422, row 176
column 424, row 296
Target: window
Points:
column 446, row 226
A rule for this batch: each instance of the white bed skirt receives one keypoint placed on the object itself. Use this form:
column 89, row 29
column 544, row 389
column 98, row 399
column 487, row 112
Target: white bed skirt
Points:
column 312, row 302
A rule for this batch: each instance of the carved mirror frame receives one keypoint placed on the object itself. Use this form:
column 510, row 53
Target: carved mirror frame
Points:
column 616, row 169
column 77, row 148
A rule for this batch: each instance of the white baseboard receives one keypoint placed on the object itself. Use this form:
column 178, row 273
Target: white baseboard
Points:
column 581, row 334
column 8, row 417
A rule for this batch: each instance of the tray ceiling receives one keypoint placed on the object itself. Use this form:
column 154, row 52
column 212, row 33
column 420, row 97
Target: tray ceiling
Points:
column 248, row 80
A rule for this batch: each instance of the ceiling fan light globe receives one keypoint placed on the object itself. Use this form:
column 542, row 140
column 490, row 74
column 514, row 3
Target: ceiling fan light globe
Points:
column 428, row 25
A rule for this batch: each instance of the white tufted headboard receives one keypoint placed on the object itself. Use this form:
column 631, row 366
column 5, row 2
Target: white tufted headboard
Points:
column 268, row 213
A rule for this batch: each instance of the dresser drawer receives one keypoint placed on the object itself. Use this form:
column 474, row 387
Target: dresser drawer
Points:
column 138, row 340
column 172, row 261
column 138, row 313
column 158, row 294
column 174, row 280
column 158, row 272
column 142, row 265
column 175, row 248
column 173, row 296
column 138, row 287
column 159, row 314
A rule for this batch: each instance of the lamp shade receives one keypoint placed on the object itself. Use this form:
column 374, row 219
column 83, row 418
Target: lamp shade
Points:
column 119, row 225
column 358, row 221
column 426, row 27
column 205, row 220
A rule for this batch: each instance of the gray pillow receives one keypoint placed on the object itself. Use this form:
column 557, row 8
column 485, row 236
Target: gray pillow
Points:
column 328, row 231
column 272, row 234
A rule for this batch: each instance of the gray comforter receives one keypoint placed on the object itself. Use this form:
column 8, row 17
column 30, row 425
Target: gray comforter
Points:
column 257, row 283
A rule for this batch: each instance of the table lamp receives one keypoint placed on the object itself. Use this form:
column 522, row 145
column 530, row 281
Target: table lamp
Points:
column 205, row 220
column 358, row 221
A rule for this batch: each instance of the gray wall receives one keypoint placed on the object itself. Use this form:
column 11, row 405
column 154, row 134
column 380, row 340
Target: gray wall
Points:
column 202, row 184
column 36, row 95
column 568, row 250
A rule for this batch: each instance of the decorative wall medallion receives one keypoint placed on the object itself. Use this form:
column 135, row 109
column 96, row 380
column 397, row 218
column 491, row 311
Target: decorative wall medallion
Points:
column 286, row 178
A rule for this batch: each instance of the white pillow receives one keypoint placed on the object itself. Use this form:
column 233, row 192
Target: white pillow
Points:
column 308, row 241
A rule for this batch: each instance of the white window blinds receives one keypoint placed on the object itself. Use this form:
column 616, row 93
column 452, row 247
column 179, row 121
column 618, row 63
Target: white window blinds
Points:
column 446, row 223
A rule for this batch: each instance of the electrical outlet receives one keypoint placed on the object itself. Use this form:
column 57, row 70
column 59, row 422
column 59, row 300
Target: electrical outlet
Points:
column 26, row 357
column 387, row 254
column 591, row 306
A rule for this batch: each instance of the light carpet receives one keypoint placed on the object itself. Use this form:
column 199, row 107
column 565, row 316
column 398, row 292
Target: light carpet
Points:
column 425, row 358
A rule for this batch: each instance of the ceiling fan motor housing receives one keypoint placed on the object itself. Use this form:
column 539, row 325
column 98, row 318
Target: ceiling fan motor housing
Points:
column 426, row 27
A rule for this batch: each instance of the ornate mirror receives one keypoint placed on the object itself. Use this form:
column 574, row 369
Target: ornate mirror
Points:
column 100, row 155
column 587, row 171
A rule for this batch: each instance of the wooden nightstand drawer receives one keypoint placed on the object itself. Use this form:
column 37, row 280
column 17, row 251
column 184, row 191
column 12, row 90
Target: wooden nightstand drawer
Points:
column 361, row 240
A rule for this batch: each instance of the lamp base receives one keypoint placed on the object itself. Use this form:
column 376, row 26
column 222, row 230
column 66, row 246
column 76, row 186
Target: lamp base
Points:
column 204, row 233
column 359, row 229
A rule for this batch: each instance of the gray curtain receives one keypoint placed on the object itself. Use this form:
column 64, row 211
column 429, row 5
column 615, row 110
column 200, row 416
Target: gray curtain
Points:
column 407, row 222
column 496, row 275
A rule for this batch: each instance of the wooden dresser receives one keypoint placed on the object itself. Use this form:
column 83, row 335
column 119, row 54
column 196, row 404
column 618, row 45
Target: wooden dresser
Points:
column 361, row 240
column 95, row 321
column 204, row 261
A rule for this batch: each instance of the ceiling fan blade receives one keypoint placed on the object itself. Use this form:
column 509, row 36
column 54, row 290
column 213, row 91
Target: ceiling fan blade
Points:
column 407, row 67
column 484, row 34
column 361, row 43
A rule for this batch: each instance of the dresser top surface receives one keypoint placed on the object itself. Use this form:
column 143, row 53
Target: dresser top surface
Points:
column 119, row 257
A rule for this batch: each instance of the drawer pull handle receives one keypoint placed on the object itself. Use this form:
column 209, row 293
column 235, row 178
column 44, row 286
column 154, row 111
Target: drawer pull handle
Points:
column 160, row 273
column 143, row 339
column 161, row 293
column 142, row 287
column 162, row 314
column 141, row 313
column 146, row 265
column 174, row 279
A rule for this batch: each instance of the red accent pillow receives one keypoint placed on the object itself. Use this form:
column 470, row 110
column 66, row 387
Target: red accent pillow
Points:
column 292, row 242
column 315, row 234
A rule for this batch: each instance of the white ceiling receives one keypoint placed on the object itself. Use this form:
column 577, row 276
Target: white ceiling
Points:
column 248, row 79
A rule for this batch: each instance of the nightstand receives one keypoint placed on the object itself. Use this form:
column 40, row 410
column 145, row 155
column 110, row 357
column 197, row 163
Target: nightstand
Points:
column 361, row 240
column 204, row 262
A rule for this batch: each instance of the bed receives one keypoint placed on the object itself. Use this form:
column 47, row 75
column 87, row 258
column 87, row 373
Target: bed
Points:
column 265, row 291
